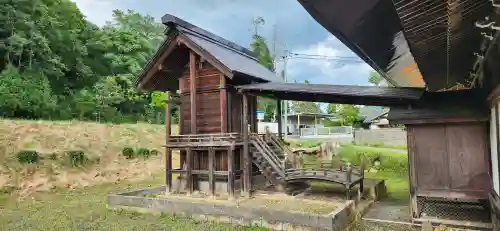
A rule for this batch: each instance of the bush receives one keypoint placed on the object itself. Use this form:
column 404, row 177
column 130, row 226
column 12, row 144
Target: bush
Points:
column 128, row 152
column 390, row 161
column 144, row 152
column 76, row 158
column 28, row 157
column 53, row 156
column 155, row 152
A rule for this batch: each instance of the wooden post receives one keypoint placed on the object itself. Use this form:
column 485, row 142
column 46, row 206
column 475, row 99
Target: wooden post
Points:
column 189, row 175
column 230, row 171
column 223, row 104
column 192, row 91
column 168, row 151
column 211, row 169
column 280, row 125
column 247, row 174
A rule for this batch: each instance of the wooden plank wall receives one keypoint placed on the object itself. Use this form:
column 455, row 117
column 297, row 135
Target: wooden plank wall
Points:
column 450, row 160
column 208, row 118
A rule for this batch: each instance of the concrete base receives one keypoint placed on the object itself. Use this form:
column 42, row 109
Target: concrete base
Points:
column 179, row 185
column 235, row 212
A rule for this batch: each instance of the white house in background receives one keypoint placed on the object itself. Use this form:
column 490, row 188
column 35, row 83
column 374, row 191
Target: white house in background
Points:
column 376, row 119
column 297, row 121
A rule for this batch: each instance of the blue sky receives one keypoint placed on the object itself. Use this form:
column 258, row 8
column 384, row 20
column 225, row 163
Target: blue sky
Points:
column 296, row 30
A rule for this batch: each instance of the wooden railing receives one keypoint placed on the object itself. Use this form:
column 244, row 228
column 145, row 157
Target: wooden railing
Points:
column 201, row 140
column 270, row 156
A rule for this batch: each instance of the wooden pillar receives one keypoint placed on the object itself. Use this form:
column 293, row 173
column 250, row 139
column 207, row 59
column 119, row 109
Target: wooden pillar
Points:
column 280, row 124
column 298, row 124
column 168, row 151
column 189, row 174
column 211, row 169
column 192, row 90
column 247, row 174
column 223, row 105
column 230, row 172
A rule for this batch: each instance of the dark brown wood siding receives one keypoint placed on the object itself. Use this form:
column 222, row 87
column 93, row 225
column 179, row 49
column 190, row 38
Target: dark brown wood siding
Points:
column 450, row 160
column 208, row 119
column 209, row 106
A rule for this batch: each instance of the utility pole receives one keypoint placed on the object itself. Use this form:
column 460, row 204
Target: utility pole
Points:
column 285, row 61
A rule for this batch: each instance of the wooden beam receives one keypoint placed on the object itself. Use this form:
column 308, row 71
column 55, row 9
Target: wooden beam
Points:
column 168, row 151
column 207, row 56
column 230, row 172
column 192, row 91
column 223, row 104
column 211, row 169
column 159, row 62
column 280, row 124
column 189, row 175
column 247, row 174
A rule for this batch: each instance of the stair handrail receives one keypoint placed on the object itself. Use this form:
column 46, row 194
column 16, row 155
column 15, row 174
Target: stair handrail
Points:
column 268, row 154
column 287, row 150
column 266, row 147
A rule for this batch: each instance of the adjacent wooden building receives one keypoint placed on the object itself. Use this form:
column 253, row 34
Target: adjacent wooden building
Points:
column 448, row 154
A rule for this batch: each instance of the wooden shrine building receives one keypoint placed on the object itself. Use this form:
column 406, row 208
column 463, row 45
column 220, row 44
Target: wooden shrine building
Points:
column 200, row 70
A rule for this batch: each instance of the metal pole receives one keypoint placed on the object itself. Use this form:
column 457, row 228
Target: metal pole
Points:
column 285, row 57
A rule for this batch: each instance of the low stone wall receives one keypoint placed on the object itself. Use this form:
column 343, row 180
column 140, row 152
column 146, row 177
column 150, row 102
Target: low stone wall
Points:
column 387, row 136
column 234, row 212
column 229, row 213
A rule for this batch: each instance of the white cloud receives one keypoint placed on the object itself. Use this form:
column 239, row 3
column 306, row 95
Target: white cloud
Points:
column 328, row 71
column 97, row 11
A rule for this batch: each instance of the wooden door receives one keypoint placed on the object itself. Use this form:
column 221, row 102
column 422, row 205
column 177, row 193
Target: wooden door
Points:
column 430, row 158
column 468, row 157
column 450, row 160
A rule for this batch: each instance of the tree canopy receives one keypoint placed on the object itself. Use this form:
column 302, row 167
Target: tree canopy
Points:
column 54, row 64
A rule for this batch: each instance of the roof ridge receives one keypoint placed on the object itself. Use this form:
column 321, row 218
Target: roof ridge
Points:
column 194, row 33
column 171, row 20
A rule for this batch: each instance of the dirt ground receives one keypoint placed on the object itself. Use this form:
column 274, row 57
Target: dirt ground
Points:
column 100, row 142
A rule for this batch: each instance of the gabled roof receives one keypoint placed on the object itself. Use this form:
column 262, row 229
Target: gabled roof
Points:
column 375, row 114
column 407, row 40
column 230, row 58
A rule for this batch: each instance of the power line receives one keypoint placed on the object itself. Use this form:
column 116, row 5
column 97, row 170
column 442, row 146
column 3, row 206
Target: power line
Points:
column 325, row 56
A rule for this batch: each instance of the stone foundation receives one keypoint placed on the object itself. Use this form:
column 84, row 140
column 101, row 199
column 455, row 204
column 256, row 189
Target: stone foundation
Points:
column 179, row 185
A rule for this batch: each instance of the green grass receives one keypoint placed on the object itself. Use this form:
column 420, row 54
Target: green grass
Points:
column 309, row 143
column 85, row 209
column 395, row 162
column 381, row 145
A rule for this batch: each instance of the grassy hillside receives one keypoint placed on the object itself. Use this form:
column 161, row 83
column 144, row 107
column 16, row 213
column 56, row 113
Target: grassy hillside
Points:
column 102, row 144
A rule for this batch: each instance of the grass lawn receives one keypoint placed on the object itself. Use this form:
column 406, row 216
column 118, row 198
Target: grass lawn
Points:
column 85, row 209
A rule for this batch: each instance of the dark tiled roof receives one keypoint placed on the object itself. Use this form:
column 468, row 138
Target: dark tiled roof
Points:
column 234, row 59
column 362, row 95
column 239, row 60
column 375, row 114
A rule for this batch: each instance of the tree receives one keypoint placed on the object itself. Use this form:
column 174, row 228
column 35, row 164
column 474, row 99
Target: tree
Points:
column 261, row 50
column 349, row 114
column 375, row 78
column 332, row 108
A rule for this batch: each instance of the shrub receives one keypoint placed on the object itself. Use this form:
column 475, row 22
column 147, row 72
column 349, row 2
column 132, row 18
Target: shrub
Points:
column 155, row 152
column 128, row 152
column 76, row 158
column 144, row 152
column 390, row 161
column 28, row 157
column 53, row 156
